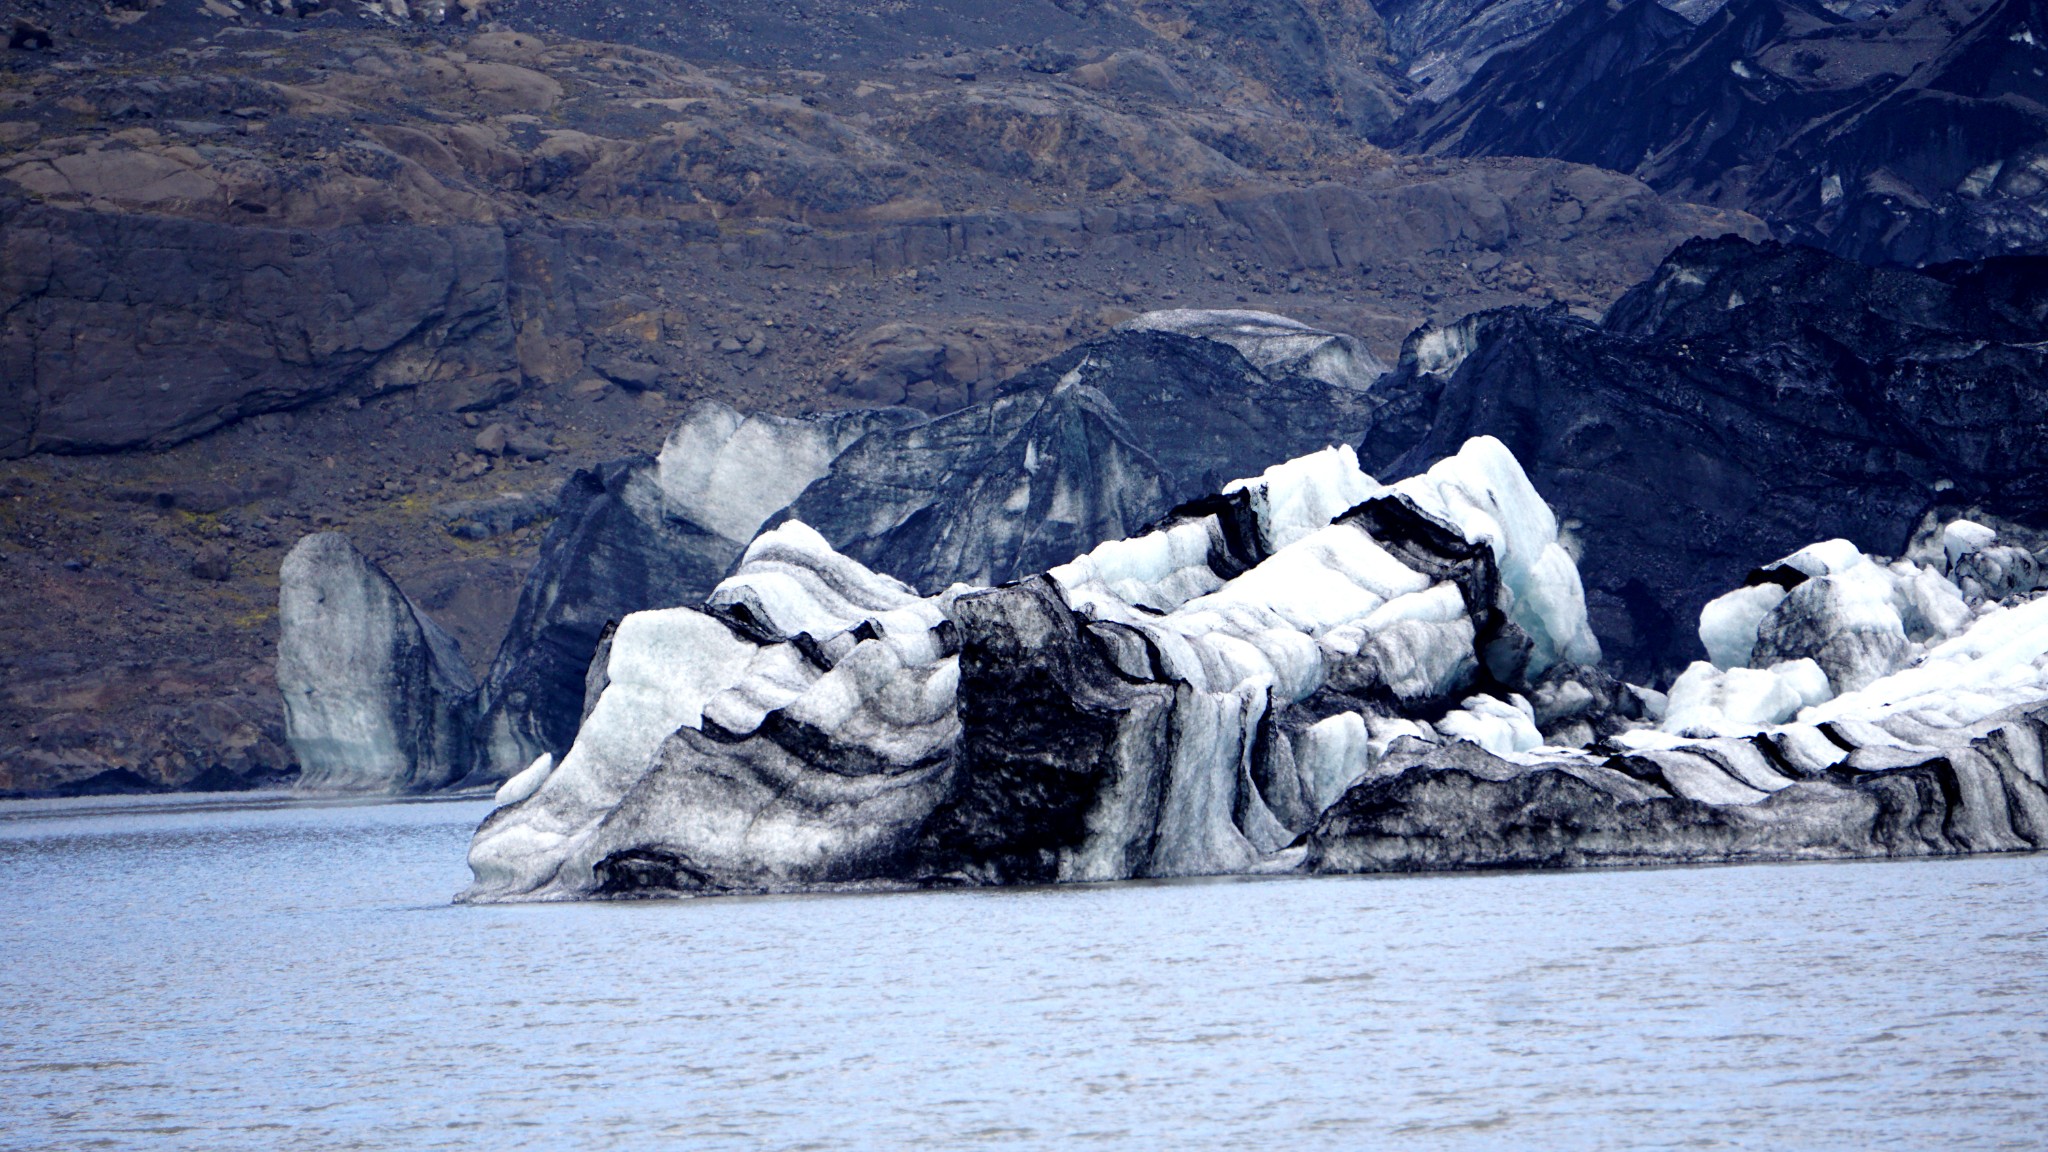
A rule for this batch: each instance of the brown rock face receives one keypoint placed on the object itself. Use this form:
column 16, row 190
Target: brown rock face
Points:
column 938, row 368
column 135, row 332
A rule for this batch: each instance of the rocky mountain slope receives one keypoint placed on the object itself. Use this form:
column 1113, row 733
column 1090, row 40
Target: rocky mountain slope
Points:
column 406, row 268
column 277, row 268
column 1905, row 137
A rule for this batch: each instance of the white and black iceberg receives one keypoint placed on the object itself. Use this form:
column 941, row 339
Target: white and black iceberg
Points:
column 1184, row 702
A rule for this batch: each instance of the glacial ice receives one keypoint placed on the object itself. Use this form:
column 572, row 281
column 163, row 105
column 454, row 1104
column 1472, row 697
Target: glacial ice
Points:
column 1728, row 623
column 728, row 471
column 1879, row 715
column 1500, row 727
column 525, row 782
column 1484, row 492
column 828, row 731
column 1282, row 676
column 664, row 667
column 376, row 696
column 1276, row 345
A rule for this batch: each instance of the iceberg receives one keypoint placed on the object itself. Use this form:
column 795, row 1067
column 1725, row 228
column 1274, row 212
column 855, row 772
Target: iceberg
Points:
column 1307, row 671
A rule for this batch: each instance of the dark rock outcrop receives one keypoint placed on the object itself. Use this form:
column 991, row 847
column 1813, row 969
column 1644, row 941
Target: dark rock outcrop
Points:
column 1748, row 398
column 1444, row 42
column 122, row 331
column 1946, row 165
column 376, row 696
column 1091, row 445
column 1636, row 88
column 1909, row 137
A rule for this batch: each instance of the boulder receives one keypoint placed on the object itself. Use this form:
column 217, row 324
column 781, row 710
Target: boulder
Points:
column 212, row 562
column 490, row 516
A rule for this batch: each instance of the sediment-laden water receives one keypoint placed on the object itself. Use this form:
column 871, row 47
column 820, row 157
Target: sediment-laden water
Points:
column 251, row 975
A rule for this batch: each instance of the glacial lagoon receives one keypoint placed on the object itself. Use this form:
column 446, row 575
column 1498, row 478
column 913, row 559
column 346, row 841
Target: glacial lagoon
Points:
column 243, row 973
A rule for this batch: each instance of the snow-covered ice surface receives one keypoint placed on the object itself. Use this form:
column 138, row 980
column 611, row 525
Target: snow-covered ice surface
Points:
column 1853, row 707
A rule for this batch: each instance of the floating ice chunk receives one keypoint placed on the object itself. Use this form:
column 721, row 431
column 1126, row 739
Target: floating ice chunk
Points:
column 376, row 695
column 1728, row 624
column 818, row 724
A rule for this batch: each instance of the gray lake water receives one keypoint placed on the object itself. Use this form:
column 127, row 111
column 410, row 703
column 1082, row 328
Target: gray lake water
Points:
column 274, row 976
